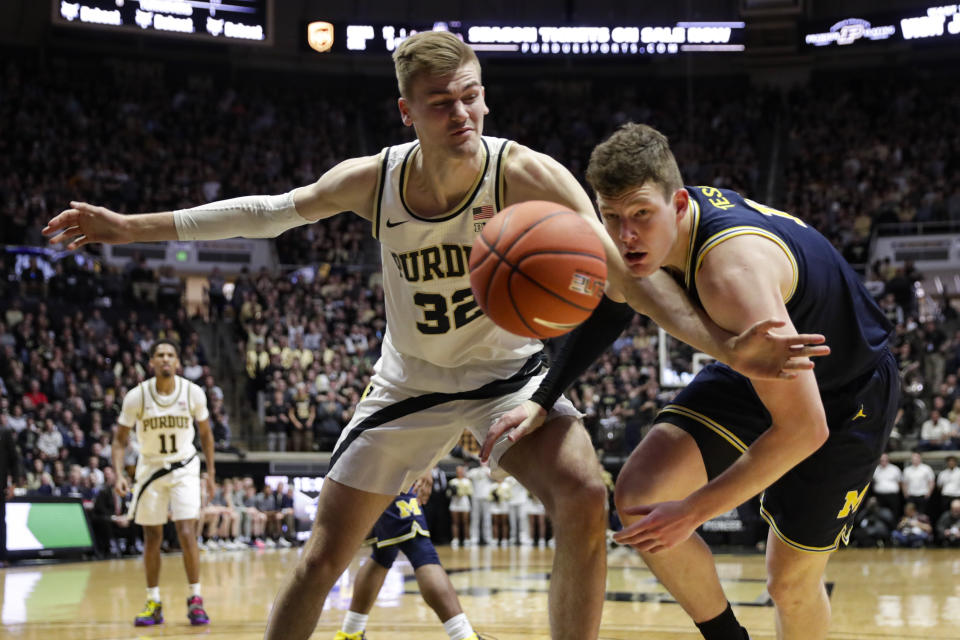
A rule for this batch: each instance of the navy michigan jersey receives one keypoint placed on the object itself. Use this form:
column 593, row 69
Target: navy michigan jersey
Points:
column 827, row 295
column 812, row 507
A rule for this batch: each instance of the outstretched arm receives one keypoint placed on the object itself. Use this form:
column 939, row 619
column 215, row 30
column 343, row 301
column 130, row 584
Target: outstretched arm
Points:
column 755, row 352
column 349, row 186
column 740, row 282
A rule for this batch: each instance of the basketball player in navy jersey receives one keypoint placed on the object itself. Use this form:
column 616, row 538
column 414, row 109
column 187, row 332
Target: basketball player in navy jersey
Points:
column 403, row 527
column 810, row 444
column 445, row 366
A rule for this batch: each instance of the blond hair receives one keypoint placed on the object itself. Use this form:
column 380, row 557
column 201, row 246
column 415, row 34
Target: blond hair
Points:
column 633, row 155
column 434, row 53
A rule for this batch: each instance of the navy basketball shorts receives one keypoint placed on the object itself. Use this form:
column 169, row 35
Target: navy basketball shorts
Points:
column 396, row 531
column 812, row 506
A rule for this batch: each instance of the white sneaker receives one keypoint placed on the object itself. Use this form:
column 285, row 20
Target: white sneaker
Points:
column 283, row 542
column 202, row 546
column 270, row 544
column 213, row 545
column 454, row 544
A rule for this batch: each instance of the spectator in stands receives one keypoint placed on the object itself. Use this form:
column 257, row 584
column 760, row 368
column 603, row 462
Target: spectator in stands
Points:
column 276, row 420
column 935, row 433
column 288, row 521
column 114, row 532
column 874, row 524
column 918, row 482
column 257, row 518
column 948, row 482
column 914, row 528
column 302, row 415
column 74, row 487
column 93, row 472
column 50, row 440
column 948, row 525
column 215, row 293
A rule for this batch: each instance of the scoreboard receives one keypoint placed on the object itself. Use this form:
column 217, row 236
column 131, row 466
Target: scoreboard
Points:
column 241, row 21
column 535, row 40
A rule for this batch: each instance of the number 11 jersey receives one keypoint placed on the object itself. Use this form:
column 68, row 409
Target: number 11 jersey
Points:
column 164, row 423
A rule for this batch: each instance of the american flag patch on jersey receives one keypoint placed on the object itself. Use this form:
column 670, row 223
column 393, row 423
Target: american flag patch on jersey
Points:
column 483, row 213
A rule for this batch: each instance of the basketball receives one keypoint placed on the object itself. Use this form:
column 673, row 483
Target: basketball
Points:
column 538, row 269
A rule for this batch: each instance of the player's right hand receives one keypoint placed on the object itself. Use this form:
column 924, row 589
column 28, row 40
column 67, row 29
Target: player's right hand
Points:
column 84, row 223
column 519, row 421
column 122, row 487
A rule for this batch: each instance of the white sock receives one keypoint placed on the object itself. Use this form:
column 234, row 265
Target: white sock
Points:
column 195, row 589
column 353, row 622
column 153, row 593
column 458, row 627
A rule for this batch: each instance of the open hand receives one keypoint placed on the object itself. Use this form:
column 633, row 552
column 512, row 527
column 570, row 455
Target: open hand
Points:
column 758, row 353
column 84, row 223
column 664, row 525
column 519, row 421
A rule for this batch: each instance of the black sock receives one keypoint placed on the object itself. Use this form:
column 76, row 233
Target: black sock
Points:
column 724, row 627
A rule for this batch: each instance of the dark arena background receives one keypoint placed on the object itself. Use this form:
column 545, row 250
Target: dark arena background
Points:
column 842, row 113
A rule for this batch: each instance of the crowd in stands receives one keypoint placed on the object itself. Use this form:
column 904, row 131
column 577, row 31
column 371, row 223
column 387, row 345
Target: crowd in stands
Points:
column 74, row 331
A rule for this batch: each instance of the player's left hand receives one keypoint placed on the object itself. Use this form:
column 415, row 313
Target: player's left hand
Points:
column 758, row 353
column 519, row 421
column 665, row 525
column 211, row 487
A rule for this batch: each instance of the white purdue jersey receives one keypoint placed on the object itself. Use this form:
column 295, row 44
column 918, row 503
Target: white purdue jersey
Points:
column 164, row 424
column 437, row 338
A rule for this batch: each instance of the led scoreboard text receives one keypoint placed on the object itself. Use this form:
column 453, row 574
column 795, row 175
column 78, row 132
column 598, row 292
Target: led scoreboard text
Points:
column 537, row 40
column 932, row 23
column 236, row 20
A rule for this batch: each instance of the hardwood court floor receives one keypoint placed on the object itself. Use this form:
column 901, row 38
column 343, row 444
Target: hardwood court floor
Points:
column 876, row 594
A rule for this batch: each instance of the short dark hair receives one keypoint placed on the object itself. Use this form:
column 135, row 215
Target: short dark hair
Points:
column 633, row 155
column 172, row 343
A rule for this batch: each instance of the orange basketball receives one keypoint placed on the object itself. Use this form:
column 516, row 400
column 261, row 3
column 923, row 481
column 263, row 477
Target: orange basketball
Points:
column 538, row 269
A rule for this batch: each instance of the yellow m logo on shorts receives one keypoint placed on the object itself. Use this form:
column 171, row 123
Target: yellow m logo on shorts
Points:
column 408, row 508
column 853, row 501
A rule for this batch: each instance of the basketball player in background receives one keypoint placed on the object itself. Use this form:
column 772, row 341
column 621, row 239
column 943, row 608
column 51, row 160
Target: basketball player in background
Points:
column 403, row 527
column 445, row 366
column 167, row 412
column 810, row 444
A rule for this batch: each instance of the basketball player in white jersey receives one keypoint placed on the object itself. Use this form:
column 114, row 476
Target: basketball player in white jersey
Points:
column 164, row 410
column 445, row 366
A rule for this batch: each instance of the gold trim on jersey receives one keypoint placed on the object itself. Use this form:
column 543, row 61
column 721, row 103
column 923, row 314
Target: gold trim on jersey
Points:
column 792, row 543
column 709, row 423
column 694, row 228
column 156, row 394
column 415, row 529
column 743, row 230
column 467, row 199
column 500, row 190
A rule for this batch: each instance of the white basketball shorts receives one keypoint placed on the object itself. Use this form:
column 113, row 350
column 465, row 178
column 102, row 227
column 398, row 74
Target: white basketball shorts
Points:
column 397, row 434
column 175, row 493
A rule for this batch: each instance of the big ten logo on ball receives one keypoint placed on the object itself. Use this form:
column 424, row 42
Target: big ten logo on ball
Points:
column 587, row 284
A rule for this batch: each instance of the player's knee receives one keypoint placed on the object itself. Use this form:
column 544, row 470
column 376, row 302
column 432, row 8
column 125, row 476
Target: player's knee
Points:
column 793, row 590
column 631, row 490
column 318, row 567
column 584, row 504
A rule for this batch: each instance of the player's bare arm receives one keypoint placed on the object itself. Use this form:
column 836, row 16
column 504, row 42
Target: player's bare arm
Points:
column 742, row 281
column 206, row 443
column 349, row 186
column 118, row 449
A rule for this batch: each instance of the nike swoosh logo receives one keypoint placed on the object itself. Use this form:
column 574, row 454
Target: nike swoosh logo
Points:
column 391, row 224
